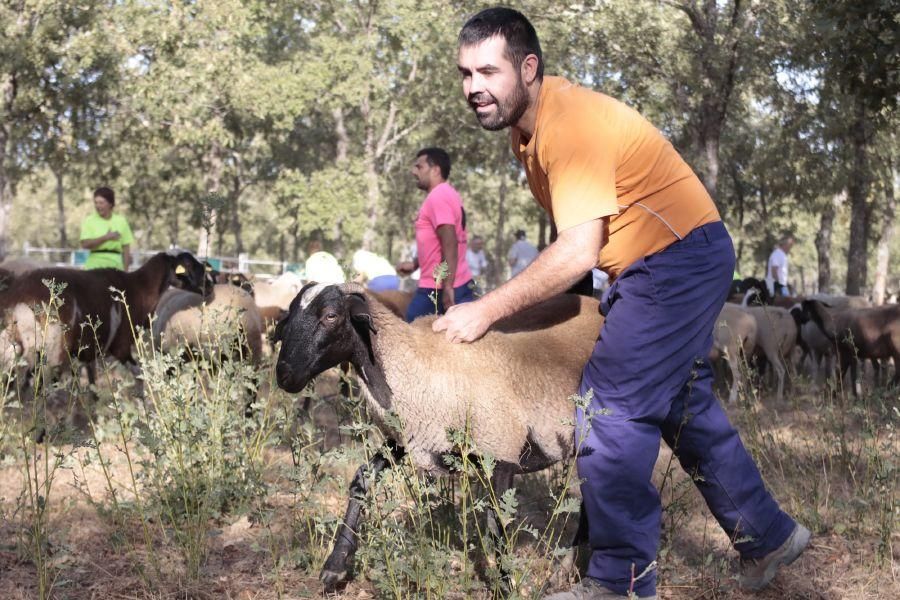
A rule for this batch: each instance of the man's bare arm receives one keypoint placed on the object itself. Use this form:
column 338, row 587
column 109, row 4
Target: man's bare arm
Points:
column 450, row 253
column 555, row 270
column 560, row 265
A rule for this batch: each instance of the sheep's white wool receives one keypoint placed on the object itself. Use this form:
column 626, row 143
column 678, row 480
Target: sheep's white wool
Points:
column 310, row 294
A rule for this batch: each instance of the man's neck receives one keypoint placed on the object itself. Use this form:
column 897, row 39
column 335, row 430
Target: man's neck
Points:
column 528, row 120
column 434, row 184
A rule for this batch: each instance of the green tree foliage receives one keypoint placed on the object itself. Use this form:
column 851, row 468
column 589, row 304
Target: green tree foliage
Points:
column 302, row 117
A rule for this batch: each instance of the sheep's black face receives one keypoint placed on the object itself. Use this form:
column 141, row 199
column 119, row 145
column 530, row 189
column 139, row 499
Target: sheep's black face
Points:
column 816, row 311
column 188, row 273
column 321, row 330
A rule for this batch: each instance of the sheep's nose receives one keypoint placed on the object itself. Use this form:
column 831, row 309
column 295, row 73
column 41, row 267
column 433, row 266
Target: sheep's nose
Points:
column 282, row 370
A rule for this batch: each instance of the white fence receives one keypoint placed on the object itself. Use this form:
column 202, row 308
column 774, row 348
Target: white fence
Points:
column 70, row 257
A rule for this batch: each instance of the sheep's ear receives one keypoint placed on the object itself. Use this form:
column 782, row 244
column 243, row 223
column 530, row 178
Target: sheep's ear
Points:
column 361, row 320
column 358, row 308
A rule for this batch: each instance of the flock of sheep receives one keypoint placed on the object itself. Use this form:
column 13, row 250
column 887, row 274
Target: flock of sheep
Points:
column 509, row 391
column 827, row 335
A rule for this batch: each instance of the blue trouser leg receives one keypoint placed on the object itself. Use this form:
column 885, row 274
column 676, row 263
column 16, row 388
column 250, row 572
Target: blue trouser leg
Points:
column 422, row 302
column 649, row 378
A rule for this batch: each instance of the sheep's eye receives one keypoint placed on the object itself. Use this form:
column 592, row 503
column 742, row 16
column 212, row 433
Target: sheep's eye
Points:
column 331, row 317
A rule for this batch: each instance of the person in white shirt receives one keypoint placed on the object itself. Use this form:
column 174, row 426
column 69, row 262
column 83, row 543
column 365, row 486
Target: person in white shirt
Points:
column 477, row 259
column 478, row 263
column 521, row 254
column 777, row 268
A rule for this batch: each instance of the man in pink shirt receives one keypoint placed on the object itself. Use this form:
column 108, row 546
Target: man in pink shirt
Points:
column 440, row 237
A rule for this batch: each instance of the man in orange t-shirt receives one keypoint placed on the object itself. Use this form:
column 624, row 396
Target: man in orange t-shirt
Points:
column 624, row 200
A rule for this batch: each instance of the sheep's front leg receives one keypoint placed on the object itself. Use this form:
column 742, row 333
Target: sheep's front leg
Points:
column 501, row 480
column 567, row 566
column 346, row 540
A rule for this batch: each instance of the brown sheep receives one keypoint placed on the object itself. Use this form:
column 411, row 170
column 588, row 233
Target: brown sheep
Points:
column 87, row 299
column 184, row 317
column 776, row 337
column 860, row 333
column 395, row 300
column 274, row 296
column 734, row 339
column 510, row 390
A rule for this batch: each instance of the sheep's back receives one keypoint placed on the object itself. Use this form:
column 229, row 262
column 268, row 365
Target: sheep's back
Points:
column 186, row 319
column 510, row 389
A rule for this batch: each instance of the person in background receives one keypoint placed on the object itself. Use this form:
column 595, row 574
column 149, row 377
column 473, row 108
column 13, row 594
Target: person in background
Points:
column 478, row 261
column 377, row 273
column 321, row 266
column 777, row 268
column 106, row 234
column 440, row 238
column 599, row 281
column 521, row 254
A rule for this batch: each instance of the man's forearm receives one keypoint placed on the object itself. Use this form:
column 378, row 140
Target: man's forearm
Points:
column 555, row 270
column 449, row 254
column 93, row 243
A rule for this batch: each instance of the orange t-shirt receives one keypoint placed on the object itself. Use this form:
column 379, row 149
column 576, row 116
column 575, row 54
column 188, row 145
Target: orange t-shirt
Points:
column 592, row 156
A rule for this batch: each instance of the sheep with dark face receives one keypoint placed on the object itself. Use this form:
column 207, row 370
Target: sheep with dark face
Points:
column 859, row 333
column 510, row 389
column 87, row 300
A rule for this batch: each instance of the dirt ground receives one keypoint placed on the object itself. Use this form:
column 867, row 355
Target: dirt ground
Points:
column 96, row 558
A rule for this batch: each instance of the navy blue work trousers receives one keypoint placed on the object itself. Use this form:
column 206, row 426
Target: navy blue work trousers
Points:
column 650, row 377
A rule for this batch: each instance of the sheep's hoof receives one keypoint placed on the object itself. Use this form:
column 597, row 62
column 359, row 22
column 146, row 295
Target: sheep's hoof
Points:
column 332, row 579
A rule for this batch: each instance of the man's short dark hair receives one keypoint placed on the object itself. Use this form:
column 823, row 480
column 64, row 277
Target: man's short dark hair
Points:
column 512, row 26
column 520, row 234
column 439, row 157
column 107, row 194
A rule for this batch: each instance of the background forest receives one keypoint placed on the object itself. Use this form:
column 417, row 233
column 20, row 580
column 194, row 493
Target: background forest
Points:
column 294, row 117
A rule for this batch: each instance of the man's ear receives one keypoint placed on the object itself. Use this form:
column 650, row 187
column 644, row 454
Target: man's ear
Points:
column 529, row 69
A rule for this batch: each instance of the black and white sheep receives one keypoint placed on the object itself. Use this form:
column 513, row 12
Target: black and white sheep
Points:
column 511, row 389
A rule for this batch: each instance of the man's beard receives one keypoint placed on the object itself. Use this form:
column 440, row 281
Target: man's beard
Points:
column 507, row 112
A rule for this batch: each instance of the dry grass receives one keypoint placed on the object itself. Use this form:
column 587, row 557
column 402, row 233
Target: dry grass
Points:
column 820, row 457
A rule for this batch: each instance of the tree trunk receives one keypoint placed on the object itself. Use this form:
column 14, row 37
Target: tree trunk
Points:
column 883, row 252
column 373, row 192
column 61, row 210
column 340, row 133
column 542, row 230
column 711, row 148
column 823, row 244
column 857, row 194
column 8, row 96
column 210, row 217
column 236, row 224
column 5, row 212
